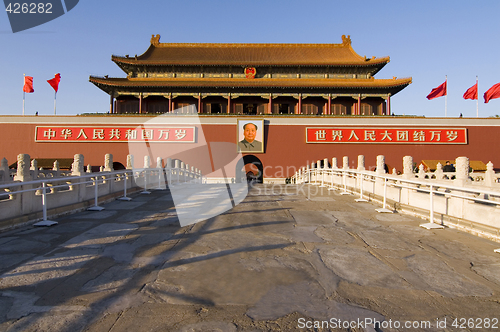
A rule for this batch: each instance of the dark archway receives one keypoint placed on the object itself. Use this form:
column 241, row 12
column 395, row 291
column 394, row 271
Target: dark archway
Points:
column 117, row 166
column 253, row 162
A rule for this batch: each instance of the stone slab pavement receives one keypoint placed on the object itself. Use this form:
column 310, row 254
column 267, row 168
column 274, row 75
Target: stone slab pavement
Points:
column 288, row 258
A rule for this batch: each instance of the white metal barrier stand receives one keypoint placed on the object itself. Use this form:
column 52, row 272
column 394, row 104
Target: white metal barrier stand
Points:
column 431, row 224
column 45, row 222
column 96, row 206
column 383, row 209
column 331, row 181
column 323, row 171
column 125, row 198
column 145, row 191
column 361, row 199
column 344, row 180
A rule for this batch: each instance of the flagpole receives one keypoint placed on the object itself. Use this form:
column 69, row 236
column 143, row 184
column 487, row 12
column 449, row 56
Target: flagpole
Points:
column 446, row 98
column 477, row 99
column 55, row 95
column 24, row 93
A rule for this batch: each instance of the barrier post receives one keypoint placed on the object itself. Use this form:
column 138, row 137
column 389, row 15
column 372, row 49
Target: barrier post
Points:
column 384, row 209
column 125, row 198
column 45, row 222
column 96, row 206
column 431, row 224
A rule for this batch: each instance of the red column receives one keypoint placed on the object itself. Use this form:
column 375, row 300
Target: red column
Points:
column 140, row 103
column 269, row 105
column 388, row 106
column 358, row 112
column 199, row 103
column 169, row 104
column 229, row 104
column 329, row 110
column 299, row 109
column 111, row 99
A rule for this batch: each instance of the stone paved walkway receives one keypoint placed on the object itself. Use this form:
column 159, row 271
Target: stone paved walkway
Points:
column 286, row 258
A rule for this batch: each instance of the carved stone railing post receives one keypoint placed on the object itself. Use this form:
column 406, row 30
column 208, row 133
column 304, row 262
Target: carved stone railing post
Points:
column 89, row 168
column 56, row 170
column 159, row 162
column 421, row 172
column 334, row 163
column 439, row 174
column 108, row 162
column 408, row 167
column 380, row 164
column 77, row 166
column 130, row 161
column 4, row 169
column 489, row 175
column 168, row 170
column 34, row 169
column 461, row 170
column 345, row 162
column 23, row 168
column 147, row 162
column 361, row 163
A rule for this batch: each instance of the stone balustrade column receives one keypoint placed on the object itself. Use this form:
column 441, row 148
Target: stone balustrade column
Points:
column 130, row 161
column 77, row 165
column 159, row 162
column 421, row 171
column 438, row 173
column 23, row 168
column 108, row 162
column 89, row 168
column 361, row 163
column 408, row 167
column 147, row 162
column 4, row 168
column 380, row 164
column 325, row 163
column 461, row 170
column 345, row 162
column 489, row 175
column 334, row 163
column 34, row 169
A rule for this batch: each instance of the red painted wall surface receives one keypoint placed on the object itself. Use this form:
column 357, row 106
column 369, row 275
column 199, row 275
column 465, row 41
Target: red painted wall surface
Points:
column 285, row 145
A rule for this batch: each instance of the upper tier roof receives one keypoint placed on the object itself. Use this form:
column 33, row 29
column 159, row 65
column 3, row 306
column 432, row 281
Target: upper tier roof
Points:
column 209, row 54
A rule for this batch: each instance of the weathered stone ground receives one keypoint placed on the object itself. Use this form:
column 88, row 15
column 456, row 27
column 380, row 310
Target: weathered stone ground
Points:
column 277, row 259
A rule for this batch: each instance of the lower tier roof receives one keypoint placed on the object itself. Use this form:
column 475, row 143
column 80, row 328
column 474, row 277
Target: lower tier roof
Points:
column 109, row 85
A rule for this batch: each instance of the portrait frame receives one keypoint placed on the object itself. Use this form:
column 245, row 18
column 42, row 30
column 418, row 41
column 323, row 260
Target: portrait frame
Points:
column 257, row 145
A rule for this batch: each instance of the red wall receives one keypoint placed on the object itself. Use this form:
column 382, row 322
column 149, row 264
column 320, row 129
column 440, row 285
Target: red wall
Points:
column 284, row 146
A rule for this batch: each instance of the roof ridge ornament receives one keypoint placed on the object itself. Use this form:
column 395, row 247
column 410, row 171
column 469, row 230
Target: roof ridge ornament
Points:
column 346, row 40
column 155, row 40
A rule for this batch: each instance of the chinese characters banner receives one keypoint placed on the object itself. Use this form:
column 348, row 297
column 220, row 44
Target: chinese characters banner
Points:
column 386, row 135
column 115, row 134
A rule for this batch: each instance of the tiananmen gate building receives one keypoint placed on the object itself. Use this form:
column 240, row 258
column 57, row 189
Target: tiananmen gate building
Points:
column 306, row 102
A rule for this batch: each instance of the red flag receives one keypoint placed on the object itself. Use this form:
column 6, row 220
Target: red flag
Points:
column 438, row 92
column 28, row 84
column 471, row 92
column 492, row 93
column 55, row 82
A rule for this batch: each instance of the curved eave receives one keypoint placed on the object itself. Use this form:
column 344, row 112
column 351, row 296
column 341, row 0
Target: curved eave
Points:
column 123, row 61
column 109, row 84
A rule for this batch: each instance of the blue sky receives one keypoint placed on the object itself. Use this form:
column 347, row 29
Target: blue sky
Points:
column 426, row 40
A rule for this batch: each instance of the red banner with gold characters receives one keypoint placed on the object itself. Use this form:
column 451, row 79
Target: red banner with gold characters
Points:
column 389, row 135
column 115, row 134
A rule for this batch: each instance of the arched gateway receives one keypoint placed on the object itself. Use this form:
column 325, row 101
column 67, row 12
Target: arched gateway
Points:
column 251, row 168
